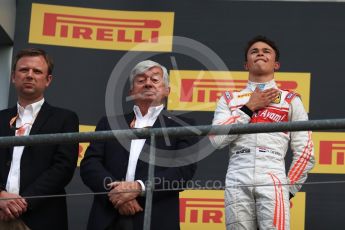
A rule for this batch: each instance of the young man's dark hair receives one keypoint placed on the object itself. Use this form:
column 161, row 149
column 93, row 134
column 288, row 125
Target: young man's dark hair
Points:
column 34, row 52
column 264, row 39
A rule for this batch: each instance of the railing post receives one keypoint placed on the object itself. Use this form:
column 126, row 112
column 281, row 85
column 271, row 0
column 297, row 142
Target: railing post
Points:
column 150, row 184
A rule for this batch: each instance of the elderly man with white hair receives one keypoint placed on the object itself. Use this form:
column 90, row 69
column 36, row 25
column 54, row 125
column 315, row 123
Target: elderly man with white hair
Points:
column 118, row 166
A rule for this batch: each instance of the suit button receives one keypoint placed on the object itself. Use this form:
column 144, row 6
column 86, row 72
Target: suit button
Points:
column 8, row 163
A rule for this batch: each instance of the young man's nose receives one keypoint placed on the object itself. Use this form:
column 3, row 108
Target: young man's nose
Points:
column 260, row 53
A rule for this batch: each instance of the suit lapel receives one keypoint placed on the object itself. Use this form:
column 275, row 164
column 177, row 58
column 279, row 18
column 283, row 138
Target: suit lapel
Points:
column 142, row 166
column 42, row 117
column 163, row 120
column 12, row 113
column 9, row 131
column 129, row 118
column 158, row 122
column 127, row 144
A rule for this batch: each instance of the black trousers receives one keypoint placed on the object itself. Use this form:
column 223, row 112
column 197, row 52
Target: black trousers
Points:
column 122, row 223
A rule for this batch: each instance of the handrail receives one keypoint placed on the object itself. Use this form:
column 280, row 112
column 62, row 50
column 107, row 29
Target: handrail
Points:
column 326, row 124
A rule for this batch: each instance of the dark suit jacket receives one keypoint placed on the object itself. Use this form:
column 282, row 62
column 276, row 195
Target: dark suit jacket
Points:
column 44, row 169
column 108, row 160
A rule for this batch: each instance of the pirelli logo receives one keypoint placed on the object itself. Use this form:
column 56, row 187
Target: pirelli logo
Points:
column 204, row 210
column 199, row 210
column 200, row 90
column 101, row 29
column 329, row 152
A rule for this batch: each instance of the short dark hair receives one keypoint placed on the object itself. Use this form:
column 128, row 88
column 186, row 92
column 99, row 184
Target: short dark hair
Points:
column 33, row 52
column 264, row 39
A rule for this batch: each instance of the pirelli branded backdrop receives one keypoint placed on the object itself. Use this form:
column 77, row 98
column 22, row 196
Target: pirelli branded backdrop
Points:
column 96, row 42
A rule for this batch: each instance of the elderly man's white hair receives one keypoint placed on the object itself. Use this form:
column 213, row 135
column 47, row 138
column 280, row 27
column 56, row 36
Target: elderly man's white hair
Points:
column 143, row 66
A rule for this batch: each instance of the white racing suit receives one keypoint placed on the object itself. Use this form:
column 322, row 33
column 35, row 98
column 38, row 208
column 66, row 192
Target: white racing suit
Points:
column 255, row 195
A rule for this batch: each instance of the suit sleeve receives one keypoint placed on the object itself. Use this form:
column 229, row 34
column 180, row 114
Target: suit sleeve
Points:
column 224, row 116
column 92, row 170
column 59, row 173
column 302, row 148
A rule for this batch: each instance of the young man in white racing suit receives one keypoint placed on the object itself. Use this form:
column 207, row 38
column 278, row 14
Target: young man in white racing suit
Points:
column 257, row 187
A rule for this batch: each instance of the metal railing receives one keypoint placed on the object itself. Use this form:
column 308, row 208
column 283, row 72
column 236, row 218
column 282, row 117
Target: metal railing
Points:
column 312, row 125
column 328, row 124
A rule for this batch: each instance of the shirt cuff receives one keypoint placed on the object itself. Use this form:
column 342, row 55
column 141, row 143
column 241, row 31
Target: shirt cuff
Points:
column 246, row 110
column 142, row 187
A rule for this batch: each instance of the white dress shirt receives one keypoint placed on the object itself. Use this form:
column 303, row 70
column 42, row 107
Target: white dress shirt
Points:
column 138, row 144
column 26, row 117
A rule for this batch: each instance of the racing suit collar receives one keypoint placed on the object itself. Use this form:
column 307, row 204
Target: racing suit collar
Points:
column 262, row 86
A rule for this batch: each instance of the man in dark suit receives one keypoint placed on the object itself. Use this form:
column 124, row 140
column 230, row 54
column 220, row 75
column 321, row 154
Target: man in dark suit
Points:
column 40, row 170
column 124, row 162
